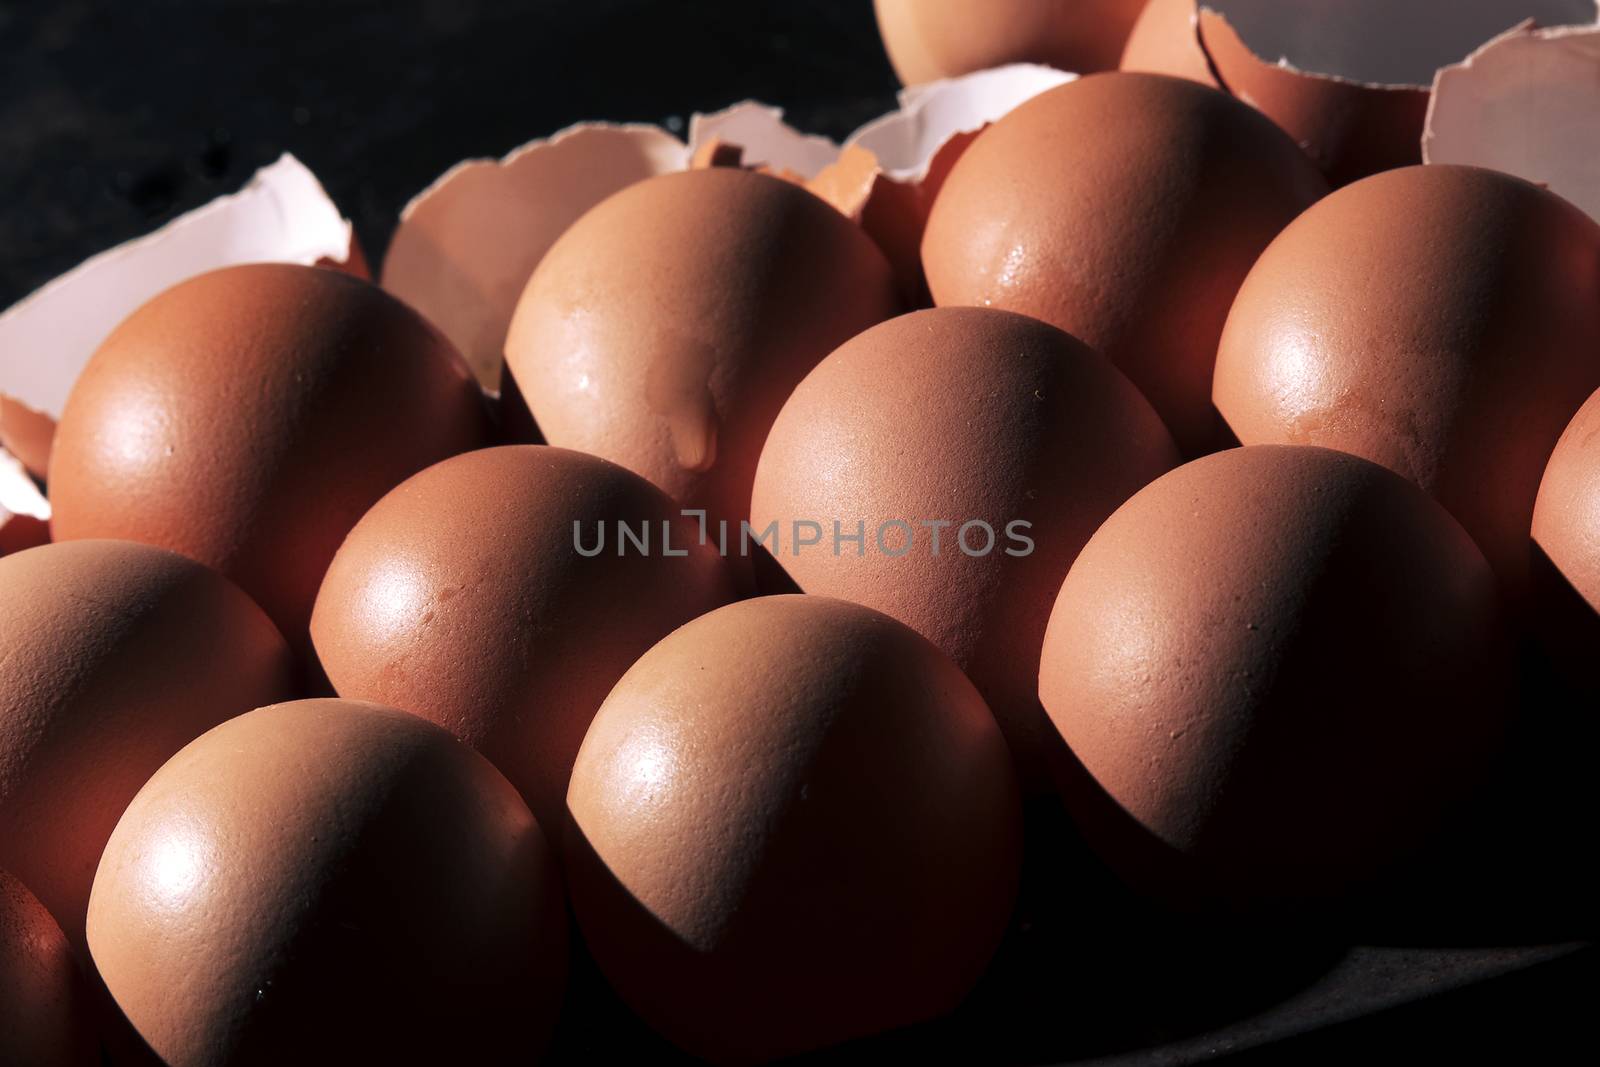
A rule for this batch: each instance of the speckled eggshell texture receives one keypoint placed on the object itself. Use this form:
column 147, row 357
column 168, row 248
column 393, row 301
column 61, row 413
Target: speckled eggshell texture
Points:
column 113, row 656
column 336, row 882
column 1276, row 669
column 45, row 1017
column 932, row 39
column 1566, row 553
column 1441, row 320
column 1125, row 209
column 793, row 822
column 976, row 418
column 463, row 596
column 668, row 325
column 249, row 416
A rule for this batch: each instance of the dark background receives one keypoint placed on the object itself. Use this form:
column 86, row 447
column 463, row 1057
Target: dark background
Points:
column 115, row 116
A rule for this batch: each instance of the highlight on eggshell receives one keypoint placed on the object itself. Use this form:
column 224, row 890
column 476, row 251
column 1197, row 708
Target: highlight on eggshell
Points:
column 1440, row 320
column 281, row 215
column 247, row 418
column 330, row 875
column 115, row 656
column 491, row 594
column 743, row 534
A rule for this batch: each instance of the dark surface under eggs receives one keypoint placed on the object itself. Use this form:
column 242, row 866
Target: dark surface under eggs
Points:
column 115, row 119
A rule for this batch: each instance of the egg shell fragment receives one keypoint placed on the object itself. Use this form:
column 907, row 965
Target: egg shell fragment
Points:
column 793, row 822
column 334, row 879
column 1277, row 669
column 1349, row 81
column 116, row 655
column 1138, row 247
column 1005, row 420
column 1349, row 129
column 1527, row 103
column 247, row 418
column 463, row 597
column 1441, row 320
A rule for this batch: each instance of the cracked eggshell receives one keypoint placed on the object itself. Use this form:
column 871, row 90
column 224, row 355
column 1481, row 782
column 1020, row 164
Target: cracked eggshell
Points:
column 666, row 327
column 1006, row 419
column 45, row 1017
column 465, row 245
column 249, row 417
column 1527, row 103
column 333, row 876
column 1566, row 538
column 1349, row 81
column 1165, row 40
column 116, row 655
column 1138, row 247
column 281, row 215
column 462, row 596
column 1277, row 670
column 764, row 139
column 792, row 801
column 888, row 172
column 932, row 39
column 1441, row 320
column 1349, row 129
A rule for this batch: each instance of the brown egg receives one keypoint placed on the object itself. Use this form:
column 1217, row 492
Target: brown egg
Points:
column 1136, row 246
column 792, row 823
column 248, row 417
column 667, row 326
column 1164, row 40
column 113, row 656
column 932, row 39
column 334, row 880
column 498, row 595
column 45, row 1018
column 1276, row 668
column 1566, row 546
column 1443, row 321
column 1014, row 435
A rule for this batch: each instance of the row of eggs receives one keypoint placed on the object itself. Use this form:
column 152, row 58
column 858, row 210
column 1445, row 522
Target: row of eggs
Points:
column 762, row 803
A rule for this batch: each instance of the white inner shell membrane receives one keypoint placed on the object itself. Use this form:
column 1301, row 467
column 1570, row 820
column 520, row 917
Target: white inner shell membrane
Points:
column 1385, row 42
